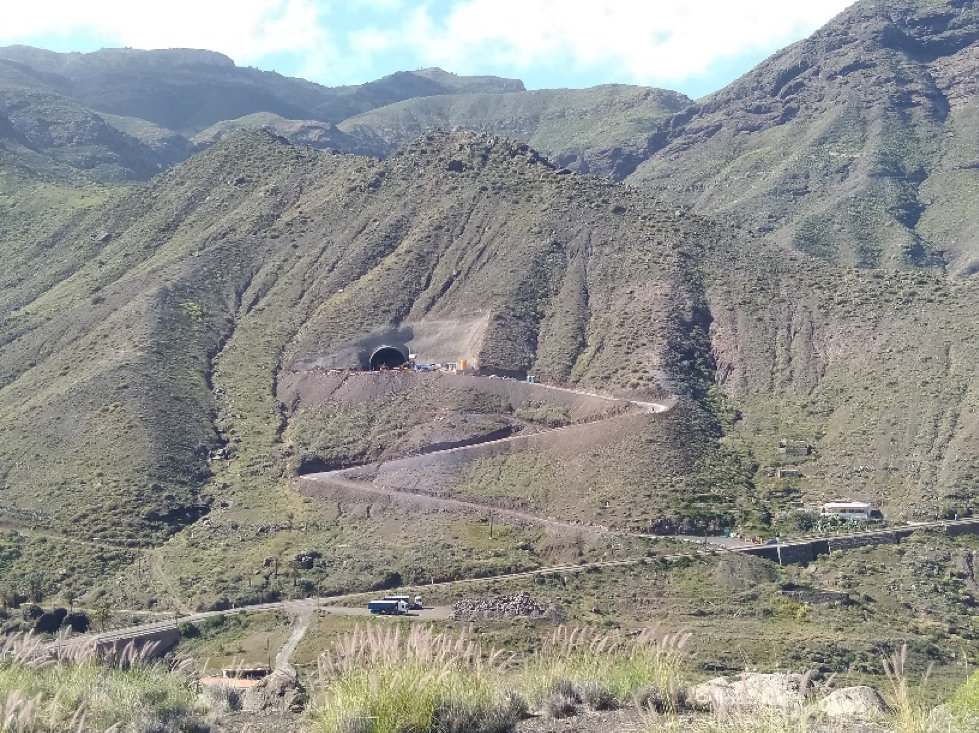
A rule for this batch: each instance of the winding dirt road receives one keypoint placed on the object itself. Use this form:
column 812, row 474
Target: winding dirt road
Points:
column 344, row 478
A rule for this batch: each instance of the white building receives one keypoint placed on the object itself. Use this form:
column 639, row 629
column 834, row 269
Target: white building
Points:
column 847, row 509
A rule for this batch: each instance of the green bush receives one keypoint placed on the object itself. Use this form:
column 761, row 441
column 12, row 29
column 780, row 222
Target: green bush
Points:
column 187, row 630
column 964, row 704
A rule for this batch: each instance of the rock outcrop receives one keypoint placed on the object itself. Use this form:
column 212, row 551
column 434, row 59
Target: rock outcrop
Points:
column 751, row 690
column 473, row 609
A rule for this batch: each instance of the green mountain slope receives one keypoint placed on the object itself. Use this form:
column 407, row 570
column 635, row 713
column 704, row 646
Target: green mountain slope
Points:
column 852, row 145
column 152, row 341
column 155, row 328
column 598, row 130
column 121, row 115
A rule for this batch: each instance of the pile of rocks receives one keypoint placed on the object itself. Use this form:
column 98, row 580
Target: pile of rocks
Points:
column 841, row 709
column 473, row 609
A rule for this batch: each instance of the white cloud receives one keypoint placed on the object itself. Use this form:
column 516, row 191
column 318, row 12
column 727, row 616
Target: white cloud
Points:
column 246, row 30
column 664, row 42
column 378, row 4
column 370, row 41
column 646, row 41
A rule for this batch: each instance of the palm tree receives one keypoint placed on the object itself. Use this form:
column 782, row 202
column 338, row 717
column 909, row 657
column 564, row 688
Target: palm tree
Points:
column 103, row 615
column 35, row 587
column 70, row 596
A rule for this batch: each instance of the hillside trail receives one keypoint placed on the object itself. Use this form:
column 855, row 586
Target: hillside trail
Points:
column 340, row 477
column 301, row 620
column 155, row 561
column 444, row 502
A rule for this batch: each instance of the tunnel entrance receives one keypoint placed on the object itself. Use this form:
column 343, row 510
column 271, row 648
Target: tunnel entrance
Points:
column 388, row 357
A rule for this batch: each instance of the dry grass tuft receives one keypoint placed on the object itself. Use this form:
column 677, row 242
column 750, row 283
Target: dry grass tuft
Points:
column 620, row 665
column 75, row 686
column 910, row 715
column 378, row 679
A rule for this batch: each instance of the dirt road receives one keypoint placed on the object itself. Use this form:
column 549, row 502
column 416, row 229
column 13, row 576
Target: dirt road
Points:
column 300, row 626
column 345, row 477
column 301, row 606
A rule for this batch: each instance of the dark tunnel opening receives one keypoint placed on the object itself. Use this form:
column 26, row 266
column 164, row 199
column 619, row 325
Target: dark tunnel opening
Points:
column 388, row 357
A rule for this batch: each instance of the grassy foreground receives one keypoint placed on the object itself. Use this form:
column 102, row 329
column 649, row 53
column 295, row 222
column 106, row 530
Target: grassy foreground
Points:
column 390, row 680
column 381, row 680
column 394, row 678
column 79, row 691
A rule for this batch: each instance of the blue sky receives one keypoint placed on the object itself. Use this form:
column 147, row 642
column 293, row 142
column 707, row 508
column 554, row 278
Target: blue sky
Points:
column 693, row 46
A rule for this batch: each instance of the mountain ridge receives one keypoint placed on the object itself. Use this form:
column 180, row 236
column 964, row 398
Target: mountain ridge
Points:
column 188, row 90
column 867, row 119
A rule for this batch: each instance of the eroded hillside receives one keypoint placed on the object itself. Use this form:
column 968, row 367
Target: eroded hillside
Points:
column 141, row 356
column 164, row 368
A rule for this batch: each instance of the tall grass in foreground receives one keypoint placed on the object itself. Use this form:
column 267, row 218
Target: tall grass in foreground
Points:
column 645, row 667
column 381, row 680
column 910, row 715
column 376, row 679
column 75, row 689
column 964, row 705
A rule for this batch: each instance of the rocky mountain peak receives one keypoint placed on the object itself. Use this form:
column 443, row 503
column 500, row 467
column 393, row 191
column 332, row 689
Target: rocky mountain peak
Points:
column 862, row 111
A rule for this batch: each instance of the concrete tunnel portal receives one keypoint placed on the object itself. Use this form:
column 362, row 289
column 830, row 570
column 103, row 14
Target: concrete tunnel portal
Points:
column 388, row 357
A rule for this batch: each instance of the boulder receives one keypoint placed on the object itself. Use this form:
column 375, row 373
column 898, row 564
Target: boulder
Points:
column 853, row 703
column 279, row 692
column 750, row 690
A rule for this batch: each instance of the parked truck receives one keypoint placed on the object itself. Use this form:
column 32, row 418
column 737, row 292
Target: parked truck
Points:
column 414, row 605
column 388, row 607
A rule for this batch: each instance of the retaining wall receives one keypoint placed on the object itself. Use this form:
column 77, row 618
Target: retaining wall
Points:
column 802, row 553
column 955, row 530
column 767, row 552
column 867, row 540
column 163, row 640
column 796, row 554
